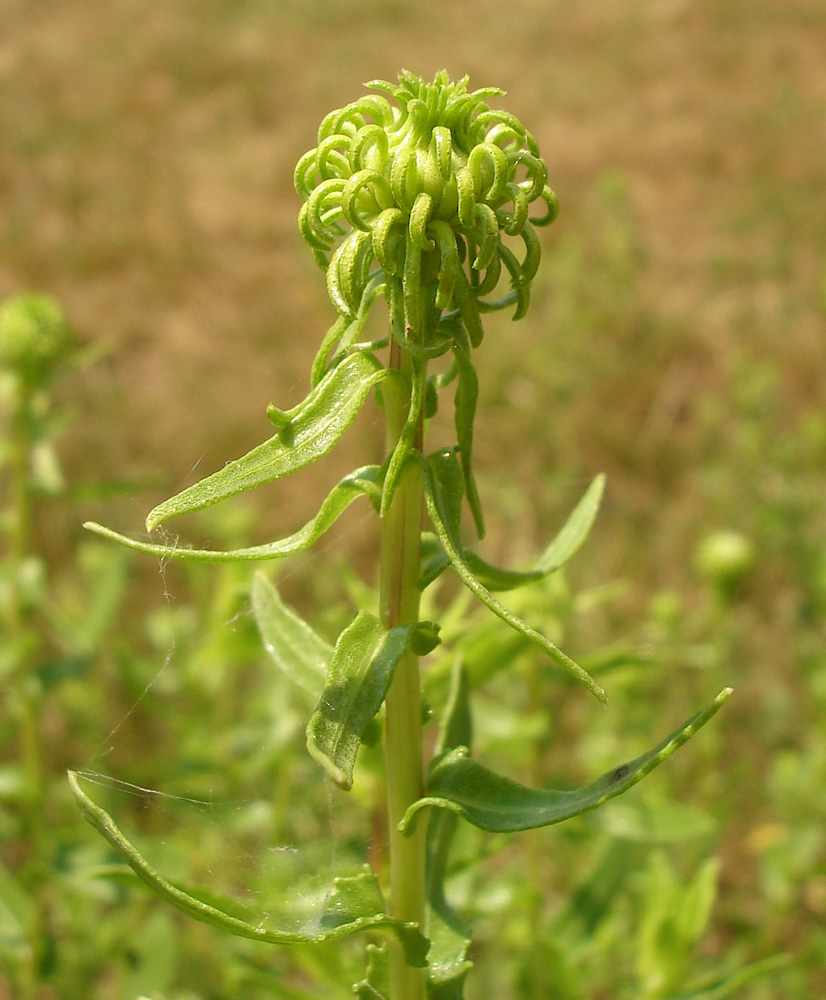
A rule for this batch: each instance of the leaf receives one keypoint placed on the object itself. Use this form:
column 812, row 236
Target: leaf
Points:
column 569, row 539
column 448, row 963
column 363, row 482
column 725, row 986
column 443, row 496
column 467, row 394
column 293, row 646
column 407, row 437
column 575, row 530
column 376, row 982
column 358, row 679
column 16, row 908
column 353, row 904
column 314, row 427
column 658, row 823
column 499, row 805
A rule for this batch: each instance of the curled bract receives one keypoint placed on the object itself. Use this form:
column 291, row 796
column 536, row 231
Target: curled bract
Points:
column 423, row 189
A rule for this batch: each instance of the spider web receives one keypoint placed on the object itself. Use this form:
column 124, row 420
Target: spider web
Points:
column 205, row 769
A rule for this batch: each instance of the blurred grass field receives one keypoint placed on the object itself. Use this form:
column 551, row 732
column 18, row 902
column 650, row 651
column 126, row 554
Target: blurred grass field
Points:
column 677, row 342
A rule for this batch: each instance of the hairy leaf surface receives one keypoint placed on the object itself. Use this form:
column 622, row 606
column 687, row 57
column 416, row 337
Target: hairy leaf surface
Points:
column 363, row 482
column 311, row 430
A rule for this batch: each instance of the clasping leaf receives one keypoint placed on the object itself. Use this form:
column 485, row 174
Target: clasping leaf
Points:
column 499, row 805
column 358, row 679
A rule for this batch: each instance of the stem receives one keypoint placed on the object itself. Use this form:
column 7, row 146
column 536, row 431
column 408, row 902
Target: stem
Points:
column 399, row 597
column 25, row 689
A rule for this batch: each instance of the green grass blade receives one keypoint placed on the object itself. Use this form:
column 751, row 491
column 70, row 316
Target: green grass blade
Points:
column 314, row 428
column 499, row 805
column 353, row 904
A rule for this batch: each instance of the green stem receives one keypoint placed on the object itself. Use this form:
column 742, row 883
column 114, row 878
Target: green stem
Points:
column 399, row 594
column 26, row 693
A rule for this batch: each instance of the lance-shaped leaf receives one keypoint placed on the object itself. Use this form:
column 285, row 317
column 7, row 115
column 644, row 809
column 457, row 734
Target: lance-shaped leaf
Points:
column 358, row 679
column 291, row 643
column 443, row 490
column 467, row 394
column 499, row 805
column 313, row 428
column 448, row 964
column 354, row 902
column 731, row 984
column 363, row 482
column 565, row 544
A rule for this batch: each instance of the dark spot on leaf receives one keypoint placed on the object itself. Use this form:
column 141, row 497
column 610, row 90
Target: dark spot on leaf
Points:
column 618, row 774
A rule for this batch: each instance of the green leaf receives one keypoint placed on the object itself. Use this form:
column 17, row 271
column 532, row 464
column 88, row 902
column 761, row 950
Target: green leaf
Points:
column 448, row 963
column 314, row 427
column 467, row 394
column 407, row 437
column 358, row 679
column 569, row 539
column 353, row 904
column 499, row 805
column 443, row 495
column 729, row 985
column 376, row 982
column 363, row 482
column 292, row 645
column 16, row 907
column 575, row 530
column 653, row 823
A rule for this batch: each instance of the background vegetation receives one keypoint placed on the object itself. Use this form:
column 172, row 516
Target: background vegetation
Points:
column 676, row 343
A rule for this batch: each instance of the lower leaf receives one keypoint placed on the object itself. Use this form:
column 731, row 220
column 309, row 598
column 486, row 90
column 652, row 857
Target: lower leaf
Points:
column 499, row 805
column 353, row 904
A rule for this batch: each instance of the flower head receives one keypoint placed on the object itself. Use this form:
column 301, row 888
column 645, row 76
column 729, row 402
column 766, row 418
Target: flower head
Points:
column 415, row 191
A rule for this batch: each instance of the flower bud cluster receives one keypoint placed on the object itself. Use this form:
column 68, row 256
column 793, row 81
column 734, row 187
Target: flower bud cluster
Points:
column 416, row 197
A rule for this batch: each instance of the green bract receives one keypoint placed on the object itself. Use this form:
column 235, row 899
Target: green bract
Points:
column 417, row 195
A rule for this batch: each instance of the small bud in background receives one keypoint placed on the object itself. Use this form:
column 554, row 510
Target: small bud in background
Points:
column 34, row 335
column 724, row 558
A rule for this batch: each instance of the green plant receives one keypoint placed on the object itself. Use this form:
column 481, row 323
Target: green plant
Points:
column 421, row 203
column 34, row 339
